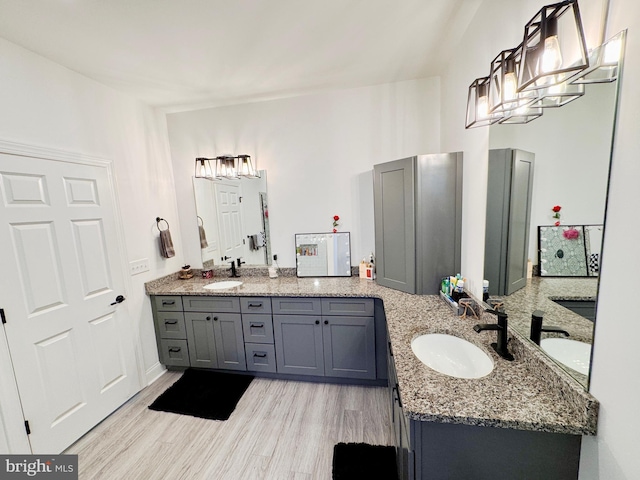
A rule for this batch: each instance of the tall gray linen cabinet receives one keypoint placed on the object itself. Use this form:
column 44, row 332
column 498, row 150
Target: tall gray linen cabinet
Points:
column 418, row 221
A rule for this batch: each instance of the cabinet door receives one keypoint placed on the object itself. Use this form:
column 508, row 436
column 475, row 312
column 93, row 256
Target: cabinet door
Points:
column 229, row 342
column 349, row 347
column 299, row 344
column 395, row 234
column 200, row 337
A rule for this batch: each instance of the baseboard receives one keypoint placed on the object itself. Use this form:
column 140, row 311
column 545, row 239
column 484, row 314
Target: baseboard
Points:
column 154, row 373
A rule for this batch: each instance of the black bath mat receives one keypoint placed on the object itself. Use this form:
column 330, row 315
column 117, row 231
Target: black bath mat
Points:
column 203, row 394
column 360, row 461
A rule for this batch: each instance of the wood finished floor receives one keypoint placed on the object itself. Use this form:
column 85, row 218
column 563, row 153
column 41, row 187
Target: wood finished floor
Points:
column 280, row 430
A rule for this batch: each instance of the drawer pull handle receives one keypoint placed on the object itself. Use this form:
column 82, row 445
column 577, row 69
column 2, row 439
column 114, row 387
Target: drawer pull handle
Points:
column 257, row 325
column 326, row 322
column 317, row 322
column 166, row 302
column 260, row 354
column 167, row 322
column 215, row 318
column 208, row 318
column 175, row 350
column 255, row 305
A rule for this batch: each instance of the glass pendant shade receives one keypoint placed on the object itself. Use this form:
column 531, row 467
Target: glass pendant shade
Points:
column 558, row 95
column 554, row 48
column 503, row 85
column 203, row 168
column 226, row 167
column 478, row 114
column 603, row 62
column 245, row 166
column 521, row 115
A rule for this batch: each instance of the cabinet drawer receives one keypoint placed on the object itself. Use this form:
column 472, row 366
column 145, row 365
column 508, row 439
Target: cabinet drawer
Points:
column 171, row 325
column 211, row 304
column 174, row 353
column 257, row 328
column 361, row 307
column 255, row 305
column 260, row 357
column 169, row 303
column 296, row 306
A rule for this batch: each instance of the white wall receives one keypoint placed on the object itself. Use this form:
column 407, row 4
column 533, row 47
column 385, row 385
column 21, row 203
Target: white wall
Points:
column 318, row 151
column 47, row 105
column 613, row 453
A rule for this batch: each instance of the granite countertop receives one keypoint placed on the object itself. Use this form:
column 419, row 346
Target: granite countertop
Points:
column 530, row 393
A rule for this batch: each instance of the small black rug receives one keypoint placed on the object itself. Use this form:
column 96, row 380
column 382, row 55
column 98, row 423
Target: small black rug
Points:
column 360, row 461
column 203, row 394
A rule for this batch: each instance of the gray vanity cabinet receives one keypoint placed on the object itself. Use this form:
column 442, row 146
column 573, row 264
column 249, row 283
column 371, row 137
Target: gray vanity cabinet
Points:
column 322, row 343
column 349, row 347
column 509, row 190
column 299, row 346
column 200, row 337
column 214, row 332
column 418, row 221
column 171, row 332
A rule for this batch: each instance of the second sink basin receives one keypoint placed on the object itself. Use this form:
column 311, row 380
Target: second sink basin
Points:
column 223, row 284
column 452, row 355
column 573, row 354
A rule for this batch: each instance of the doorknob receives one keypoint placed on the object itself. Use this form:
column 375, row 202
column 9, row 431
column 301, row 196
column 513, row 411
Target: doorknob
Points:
column 119, row 299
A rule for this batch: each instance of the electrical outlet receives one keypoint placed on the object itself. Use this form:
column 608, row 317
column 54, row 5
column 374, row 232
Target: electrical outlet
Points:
column 139, row 266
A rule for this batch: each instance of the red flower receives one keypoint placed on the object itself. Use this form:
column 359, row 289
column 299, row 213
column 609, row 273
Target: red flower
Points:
column 336, row 218
column 557, row 208
column 335, row 231
column 557, row 224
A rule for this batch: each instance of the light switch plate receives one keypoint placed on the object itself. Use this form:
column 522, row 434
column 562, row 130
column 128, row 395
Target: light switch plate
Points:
column 139, row 266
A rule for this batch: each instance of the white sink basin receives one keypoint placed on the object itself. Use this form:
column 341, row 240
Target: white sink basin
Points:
column 222, row 285
column 452, row 356
column 573, row 354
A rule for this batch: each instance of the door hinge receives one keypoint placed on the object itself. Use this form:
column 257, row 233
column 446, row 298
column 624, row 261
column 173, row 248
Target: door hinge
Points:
column 4, row 319
column 26, row 427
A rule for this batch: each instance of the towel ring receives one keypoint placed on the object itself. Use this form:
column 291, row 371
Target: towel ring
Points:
column 201, row 221
column 158, row 220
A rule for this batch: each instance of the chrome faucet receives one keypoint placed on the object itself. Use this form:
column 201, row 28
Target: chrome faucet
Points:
column 501, row 345
column 537, row 328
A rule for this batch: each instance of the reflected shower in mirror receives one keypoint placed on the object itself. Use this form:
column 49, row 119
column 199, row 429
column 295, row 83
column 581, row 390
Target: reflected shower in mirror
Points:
column 233, row 220
column 323, row 254
column 567, row 153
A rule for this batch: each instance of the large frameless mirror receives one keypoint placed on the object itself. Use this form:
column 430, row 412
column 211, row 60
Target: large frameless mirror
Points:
column 568, row 153
column 233, row 220
column 323, row 254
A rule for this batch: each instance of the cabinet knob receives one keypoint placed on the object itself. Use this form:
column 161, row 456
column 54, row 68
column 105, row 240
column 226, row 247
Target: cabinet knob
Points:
column 326, row 322
column 317, row 322
column 215, row 319
column 208, row 318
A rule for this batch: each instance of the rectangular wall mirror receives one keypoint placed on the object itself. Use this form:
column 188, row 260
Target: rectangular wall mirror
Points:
column 233, row 220
column 323, row 254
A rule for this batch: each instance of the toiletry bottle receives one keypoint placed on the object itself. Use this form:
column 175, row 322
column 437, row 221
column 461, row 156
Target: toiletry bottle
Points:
column 372, row 264
column 485, row 290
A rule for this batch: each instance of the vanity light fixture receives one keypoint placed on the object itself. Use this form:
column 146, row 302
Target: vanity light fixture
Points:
column 503, row 84
column 203, row 168
column 478, row 114
column 603, row 62
column 554, row 47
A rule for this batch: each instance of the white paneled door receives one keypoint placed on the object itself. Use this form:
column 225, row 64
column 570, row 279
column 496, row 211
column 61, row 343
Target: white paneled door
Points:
column 230, row 219
column 73, row 357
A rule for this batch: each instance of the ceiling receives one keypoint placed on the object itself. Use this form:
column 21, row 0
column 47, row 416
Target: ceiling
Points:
column 186, row 54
